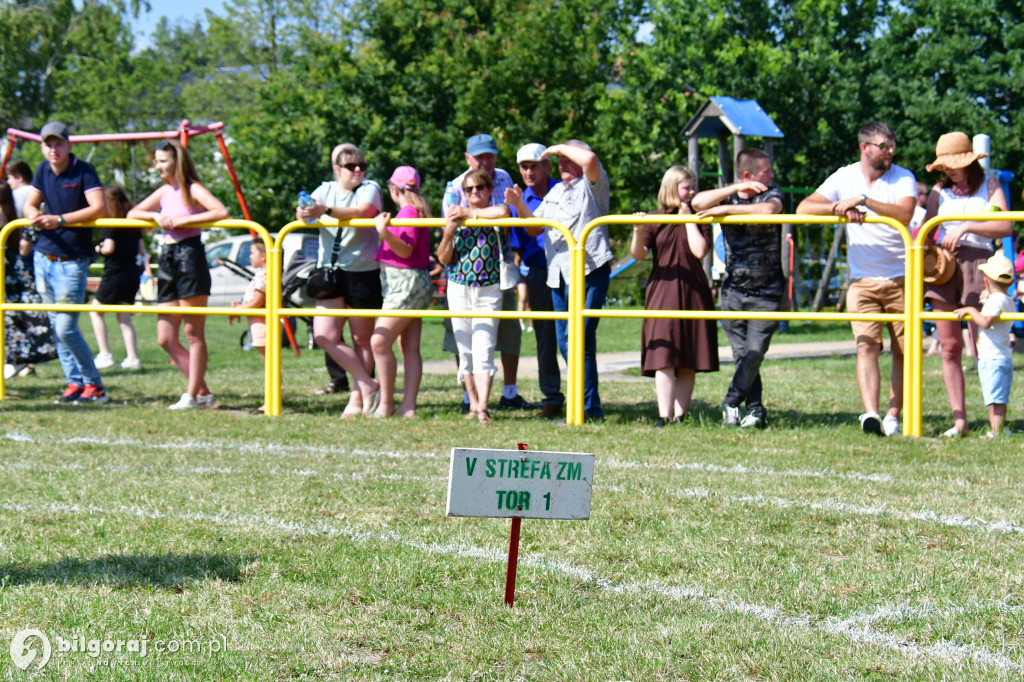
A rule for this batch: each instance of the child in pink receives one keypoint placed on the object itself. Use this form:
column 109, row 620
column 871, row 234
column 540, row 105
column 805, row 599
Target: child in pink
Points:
column 256, row 297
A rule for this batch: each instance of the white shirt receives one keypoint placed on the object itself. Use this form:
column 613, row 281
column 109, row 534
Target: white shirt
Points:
column 994, row 342
column 875, row 251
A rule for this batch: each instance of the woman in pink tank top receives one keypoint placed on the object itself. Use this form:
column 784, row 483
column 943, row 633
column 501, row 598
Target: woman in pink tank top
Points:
column 184, row 276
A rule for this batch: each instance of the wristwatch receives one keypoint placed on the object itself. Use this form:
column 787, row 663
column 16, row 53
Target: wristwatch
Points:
column 863, row 200
column 60, row 221
column 327, row 211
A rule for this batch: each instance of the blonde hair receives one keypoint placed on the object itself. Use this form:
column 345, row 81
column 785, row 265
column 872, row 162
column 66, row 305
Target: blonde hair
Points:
column 668, row 195
column 414, row 198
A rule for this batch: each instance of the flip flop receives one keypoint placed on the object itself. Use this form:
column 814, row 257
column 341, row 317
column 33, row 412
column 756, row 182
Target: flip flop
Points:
column 371, row 403
column 351, row 411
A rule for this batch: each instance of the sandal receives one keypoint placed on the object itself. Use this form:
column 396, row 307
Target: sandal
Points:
column 333, row 386
column 351, row 411
column 484, row 416
column 471, row 414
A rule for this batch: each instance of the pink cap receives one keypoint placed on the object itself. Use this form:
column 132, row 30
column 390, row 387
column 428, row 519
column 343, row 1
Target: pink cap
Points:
column 405, row 177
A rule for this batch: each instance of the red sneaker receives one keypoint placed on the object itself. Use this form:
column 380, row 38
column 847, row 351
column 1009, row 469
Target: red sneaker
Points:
column 93, row 394
column 71, row 394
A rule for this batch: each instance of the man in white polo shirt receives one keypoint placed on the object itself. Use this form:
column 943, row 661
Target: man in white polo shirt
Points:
column 873, row 186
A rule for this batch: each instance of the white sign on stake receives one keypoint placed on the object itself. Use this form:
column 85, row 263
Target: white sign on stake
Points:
column 529, row 484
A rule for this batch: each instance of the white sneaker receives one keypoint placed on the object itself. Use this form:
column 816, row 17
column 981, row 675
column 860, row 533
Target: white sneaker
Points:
column 891, row 426
column 131, row 364
column 730, row 415
column 752, row 421
column 871, row 422
column 9, row 371
column 104, row 361
column 206, row 401
column 186, row 402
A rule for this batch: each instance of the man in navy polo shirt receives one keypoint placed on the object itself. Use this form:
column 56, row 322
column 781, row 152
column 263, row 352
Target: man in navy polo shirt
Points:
column 536, row 174
column 72, row 194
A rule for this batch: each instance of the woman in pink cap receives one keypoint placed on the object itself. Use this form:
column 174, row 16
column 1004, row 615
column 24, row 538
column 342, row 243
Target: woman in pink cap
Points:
column 963, row 188
column 404, row 256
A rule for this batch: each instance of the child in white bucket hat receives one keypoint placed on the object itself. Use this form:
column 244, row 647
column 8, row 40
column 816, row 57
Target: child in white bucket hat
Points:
column 995, row 355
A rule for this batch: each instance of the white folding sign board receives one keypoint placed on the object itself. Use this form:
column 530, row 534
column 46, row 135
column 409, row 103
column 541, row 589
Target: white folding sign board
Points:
column 530, row 484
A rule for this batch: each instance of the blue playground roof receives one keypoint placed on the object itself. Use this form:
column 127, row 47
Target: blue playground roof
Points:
column 735, row 116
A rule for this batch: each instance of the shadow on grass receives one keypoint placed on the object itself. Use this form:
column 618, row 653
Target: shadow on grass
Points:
column 167, row 571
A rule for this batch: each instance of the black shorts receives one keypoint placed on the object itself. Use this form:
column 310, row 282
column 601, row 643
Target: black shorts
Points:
column 118, row 288
column 363, row 289
column 183, row 272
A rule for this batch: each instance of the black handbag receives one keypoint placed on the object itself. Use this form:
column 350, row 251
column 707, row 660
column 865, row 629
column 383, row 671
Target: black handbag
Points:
column 327, row 281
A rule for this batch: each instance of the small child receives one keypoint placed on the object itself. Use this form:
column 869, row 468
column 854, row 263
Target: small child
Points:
column 256, row 297
column 995, row 355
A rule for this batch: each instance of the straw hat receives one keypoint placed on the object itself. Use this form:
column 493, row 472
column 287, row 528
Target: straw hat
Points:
column 998, row 268
column 939, row 265
column 954, row 150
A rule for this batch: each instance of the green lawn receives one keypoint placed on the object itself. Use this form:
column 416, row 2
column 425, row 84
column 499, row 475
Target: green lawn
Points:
column 310, row 547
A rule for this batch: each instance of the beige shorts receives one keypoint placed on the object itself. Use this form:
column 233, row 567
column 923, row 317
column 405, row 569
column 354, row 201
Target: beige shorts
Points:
column 876, row 296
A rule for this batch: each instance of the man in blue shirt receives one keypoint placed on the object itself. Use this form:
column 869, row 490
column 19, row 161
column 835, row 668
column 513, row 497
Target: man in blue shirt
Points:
column 536, row 174
column 72, row 193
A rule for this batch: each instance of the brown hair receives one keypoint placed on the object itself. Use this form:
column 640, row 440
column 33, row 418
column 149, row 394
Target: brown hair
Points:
column 184, row 170
column 7, row 210
column 478, row 177
column 975, row 177
column 748, row 160
column 260, row 246
column 118, row 204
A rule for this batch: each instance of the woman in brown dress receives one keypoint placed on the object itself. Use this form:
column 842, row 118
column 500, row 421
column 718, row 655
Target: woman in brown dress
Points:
column 673, row 351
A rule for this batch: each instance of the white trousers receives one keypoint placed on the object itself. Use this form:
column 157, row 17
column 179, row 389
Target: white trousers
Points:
column 475, row 336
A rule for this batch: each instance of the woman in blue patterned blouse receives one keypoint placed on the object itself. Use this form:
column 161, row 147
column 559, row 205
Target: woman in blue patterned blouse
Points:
column 471, row 254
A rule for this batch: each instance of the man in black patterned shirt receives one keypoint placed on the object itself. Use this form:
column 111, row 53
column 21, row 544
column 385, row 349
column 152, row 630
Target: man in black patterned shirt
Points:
column 753, row 278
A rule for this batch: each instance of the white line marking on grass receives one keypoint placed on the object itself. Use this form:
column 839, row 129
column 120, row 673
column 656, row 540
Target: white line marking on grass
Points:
column 225, row 471
column 743, row 470
column 926, row 515
column 944, row 650
column 232, row 446
column 321, row 452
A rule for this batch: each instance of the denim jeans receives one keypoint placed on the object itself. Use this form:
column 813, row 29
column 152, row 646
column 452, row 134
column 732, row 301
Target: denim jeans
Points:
column 596, row 293
column 64, row 282
column 749, row 340
column 548, row 373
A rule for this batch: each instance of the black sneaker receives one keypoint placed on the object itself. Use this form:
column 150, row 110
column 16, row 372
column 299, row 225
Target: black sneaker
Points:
column 516, row 403
column 465, row 408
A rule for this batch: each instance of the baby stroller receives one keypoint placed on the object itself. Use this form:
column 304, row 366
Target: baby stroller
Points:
column 293, row 288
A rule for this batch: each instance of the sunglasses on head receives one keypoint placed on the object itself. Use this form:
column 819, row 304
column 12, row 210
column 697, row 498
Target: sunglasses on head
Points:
column 353, row 167
column 469, row 189
column 163, row 146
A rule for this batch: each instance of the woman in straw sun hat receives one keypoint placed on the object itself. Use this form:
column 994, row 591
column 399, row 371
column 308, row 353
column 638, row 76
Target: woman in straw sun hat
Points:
column 963, row 188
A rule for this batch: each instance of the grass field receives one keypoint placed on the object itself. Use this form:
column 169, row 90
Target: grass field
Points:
column 308, row 547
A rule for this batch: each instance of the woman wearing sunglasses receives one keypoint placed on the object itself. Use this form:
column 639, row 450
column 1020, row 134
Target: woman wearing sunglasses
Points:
column 353, row 252
column 180, row 206
column 472, row 257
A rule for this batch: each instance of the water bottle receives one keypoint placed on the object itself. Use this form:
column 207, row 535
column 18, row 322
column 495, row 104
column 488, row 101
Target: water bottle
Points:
column 306, row 201
column 451, row 197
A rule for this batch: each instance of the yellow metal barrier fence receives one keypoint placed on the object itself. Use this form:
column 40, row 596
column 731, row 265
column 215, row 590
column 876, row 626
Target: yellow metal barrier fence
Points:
column 912, row 317
column 908, row 317
column 151, row 310
column 914, row 403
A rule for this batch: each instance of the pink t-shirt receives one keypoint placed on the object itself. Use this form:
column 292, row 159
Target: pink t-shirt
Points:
column 172, row 204
column 419, row 237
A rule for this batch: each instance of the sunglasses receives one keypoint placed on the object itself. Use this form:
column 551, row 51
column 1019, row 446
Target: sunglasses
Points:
column 354, row 167
column 163, row 146
column 469, row 189
column 884, row 146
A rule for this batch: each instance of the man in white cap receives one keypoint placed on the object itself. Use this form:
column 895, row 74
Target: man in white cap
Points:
column 536, row 173
column 582, row 196
column 73, row 194
column 482, row 152
column 873, row 186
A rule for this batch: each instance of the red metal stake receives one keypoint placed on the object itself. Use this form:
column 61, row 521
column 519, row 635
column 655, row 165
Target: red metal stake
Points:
column 513, row 552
